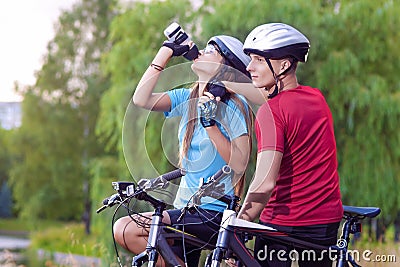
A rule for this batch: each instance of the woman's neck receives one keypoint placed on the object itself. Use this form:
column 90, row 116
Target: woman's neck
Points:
column 203, row 81
column 202, row 87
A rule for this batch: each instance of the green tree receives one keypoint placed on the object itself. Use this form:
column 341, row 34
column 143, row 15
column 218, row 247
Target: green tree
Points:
column 136, row 35
column 357, row 72
column 56, row 141
column 5, row 160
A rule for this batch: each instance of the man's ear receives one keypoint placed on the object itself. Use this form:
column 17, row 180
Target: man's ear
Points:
column 285, row 64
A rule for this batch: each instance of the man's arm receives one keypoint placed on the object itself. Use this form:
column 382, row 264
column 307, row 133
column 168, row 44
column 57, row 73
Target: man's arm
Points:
column 260, row 189
column 257, row 96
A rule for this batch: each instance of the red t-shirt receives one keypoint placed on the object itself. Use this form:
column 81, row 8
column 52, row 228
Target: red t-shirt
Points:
column 298, row 123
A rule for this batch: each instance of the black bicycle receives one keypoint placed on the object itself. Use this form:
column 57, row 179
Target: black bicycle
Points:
column 159, row 233
column 234, row 233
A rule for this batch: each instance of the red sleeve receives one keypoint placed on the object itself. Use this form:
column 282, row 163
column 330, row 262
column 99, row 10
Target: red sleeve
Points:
column 269, row 130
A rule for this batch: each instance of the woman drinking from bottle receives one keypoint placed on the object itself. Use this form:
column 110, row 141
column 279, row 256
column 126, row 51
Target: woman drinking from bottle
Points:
column 214, row 131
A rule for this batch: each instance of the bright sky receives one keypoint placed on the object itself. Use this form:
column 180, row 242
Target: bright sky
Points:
column 26, row 26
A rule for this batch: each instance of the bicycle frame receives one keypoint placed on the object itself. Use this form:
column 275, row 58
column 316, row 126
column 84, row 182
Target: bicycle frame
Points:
column 159, row 233
column 228, row 241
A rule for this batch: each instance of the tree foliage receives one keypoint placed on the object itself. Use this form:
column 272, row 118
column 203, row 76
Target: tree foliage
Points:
column 5, row 159
column 357, row 72
column 56, row 140
column 135, row 39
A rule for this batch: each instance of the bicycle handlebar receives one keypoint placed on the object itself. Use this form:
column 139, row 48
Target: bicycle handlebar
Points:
column 127, row 189
column 211, row 187
column 225, row 170
column 162, row 180
column 172, row 174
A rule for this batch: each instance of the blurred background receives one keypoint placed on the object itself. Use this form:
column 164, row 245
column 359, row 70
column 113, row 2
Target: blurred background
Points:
column 69, row 69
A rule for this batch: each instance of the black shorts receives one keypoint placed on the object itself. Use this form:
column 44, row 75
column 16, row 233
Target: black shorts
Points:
column 202, row 223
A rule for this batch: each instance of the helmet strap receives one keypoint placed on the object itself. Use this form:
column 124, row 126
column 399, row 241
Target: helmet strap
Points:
column 276, row 90
column 276, row 77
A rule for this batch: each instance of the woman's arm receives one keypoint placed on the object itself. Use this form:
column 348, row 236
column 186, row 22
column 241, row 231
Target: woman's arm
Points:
column 257, row 96
column 236, row 152
column 144, row 96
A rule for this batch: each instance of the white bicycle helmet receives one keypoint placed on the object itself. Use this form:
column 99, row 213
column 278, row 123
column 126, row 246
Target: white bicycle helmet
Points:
column 232, row 50
column 277, row 41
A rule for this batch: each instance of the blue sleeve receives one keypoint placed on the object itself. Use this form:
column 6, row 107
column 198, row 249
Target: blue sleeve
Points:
column 177, row 97
column 236, row 120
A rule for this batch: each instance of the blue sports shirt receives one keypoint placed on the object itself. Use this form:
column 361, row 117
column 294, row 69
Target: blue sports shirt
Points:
column 203, row 159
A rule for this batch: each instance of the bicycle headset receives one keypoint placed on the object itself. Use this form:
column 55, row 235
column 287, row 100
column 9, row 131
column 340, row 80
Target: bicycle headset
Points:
column 232, row 50
column 277, row 41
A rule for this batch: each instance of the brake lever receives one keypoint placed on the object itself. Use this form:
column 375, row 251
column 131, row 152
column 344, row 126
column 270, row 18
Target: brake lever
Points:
column 109, row 202
column 101, row 209
column 159, row 182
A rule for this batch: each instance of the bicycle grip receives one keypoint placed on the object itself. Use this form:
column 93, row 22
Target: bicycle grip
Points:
column 223, row 171
column 101, row 209
column 173, row 174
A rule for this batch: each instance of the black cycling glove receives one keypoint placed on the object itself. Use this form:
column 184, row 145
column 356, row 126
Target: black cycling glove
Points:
column 179, row 50
column 218, row 89
column 208, row 112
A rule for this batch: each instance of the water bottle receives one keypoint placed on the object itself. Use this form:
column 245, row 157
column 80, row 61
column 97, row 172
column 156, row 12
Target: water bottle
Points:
column 177, row 35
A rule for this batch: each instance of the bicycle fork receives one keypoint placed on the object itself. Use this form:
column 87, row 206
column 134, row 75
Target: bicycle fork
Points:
column 155, row 242
column 150, row 255
column 223, row 236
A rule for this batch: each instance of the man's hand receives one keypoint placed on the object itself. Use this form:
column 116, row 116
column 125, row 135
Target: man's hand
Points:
column 217, row 89
column 231, row 262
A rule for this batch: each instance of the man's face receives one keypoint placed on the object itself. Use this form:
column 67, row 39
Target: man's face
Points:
column 260, row 72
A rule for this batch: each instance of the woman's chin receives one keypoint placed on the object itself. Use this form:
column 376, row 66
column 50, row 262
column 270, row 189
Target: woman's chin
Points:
column 204, row 67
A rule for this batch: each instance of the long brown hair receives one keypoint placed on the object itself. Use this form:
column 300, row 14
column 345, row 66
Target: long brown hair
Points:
column 226, row 73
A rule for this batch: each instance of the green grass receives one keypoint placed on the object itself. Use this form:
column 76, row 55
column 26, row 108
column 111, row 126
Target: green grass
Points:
column 54, row 236
column 13, row 225
column 70, row 238
column 19, row 225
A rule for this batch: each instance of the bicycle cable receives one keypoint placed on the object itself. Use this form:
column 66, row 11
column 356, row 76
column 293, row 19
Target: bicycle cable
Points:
column 129, row 211
column 203, row 222
column 112, row 230
column 183, row 242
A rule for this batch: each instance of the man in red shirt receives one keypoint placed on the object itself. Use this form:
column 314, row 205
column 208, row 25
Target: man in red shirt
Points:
column 296, row 184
